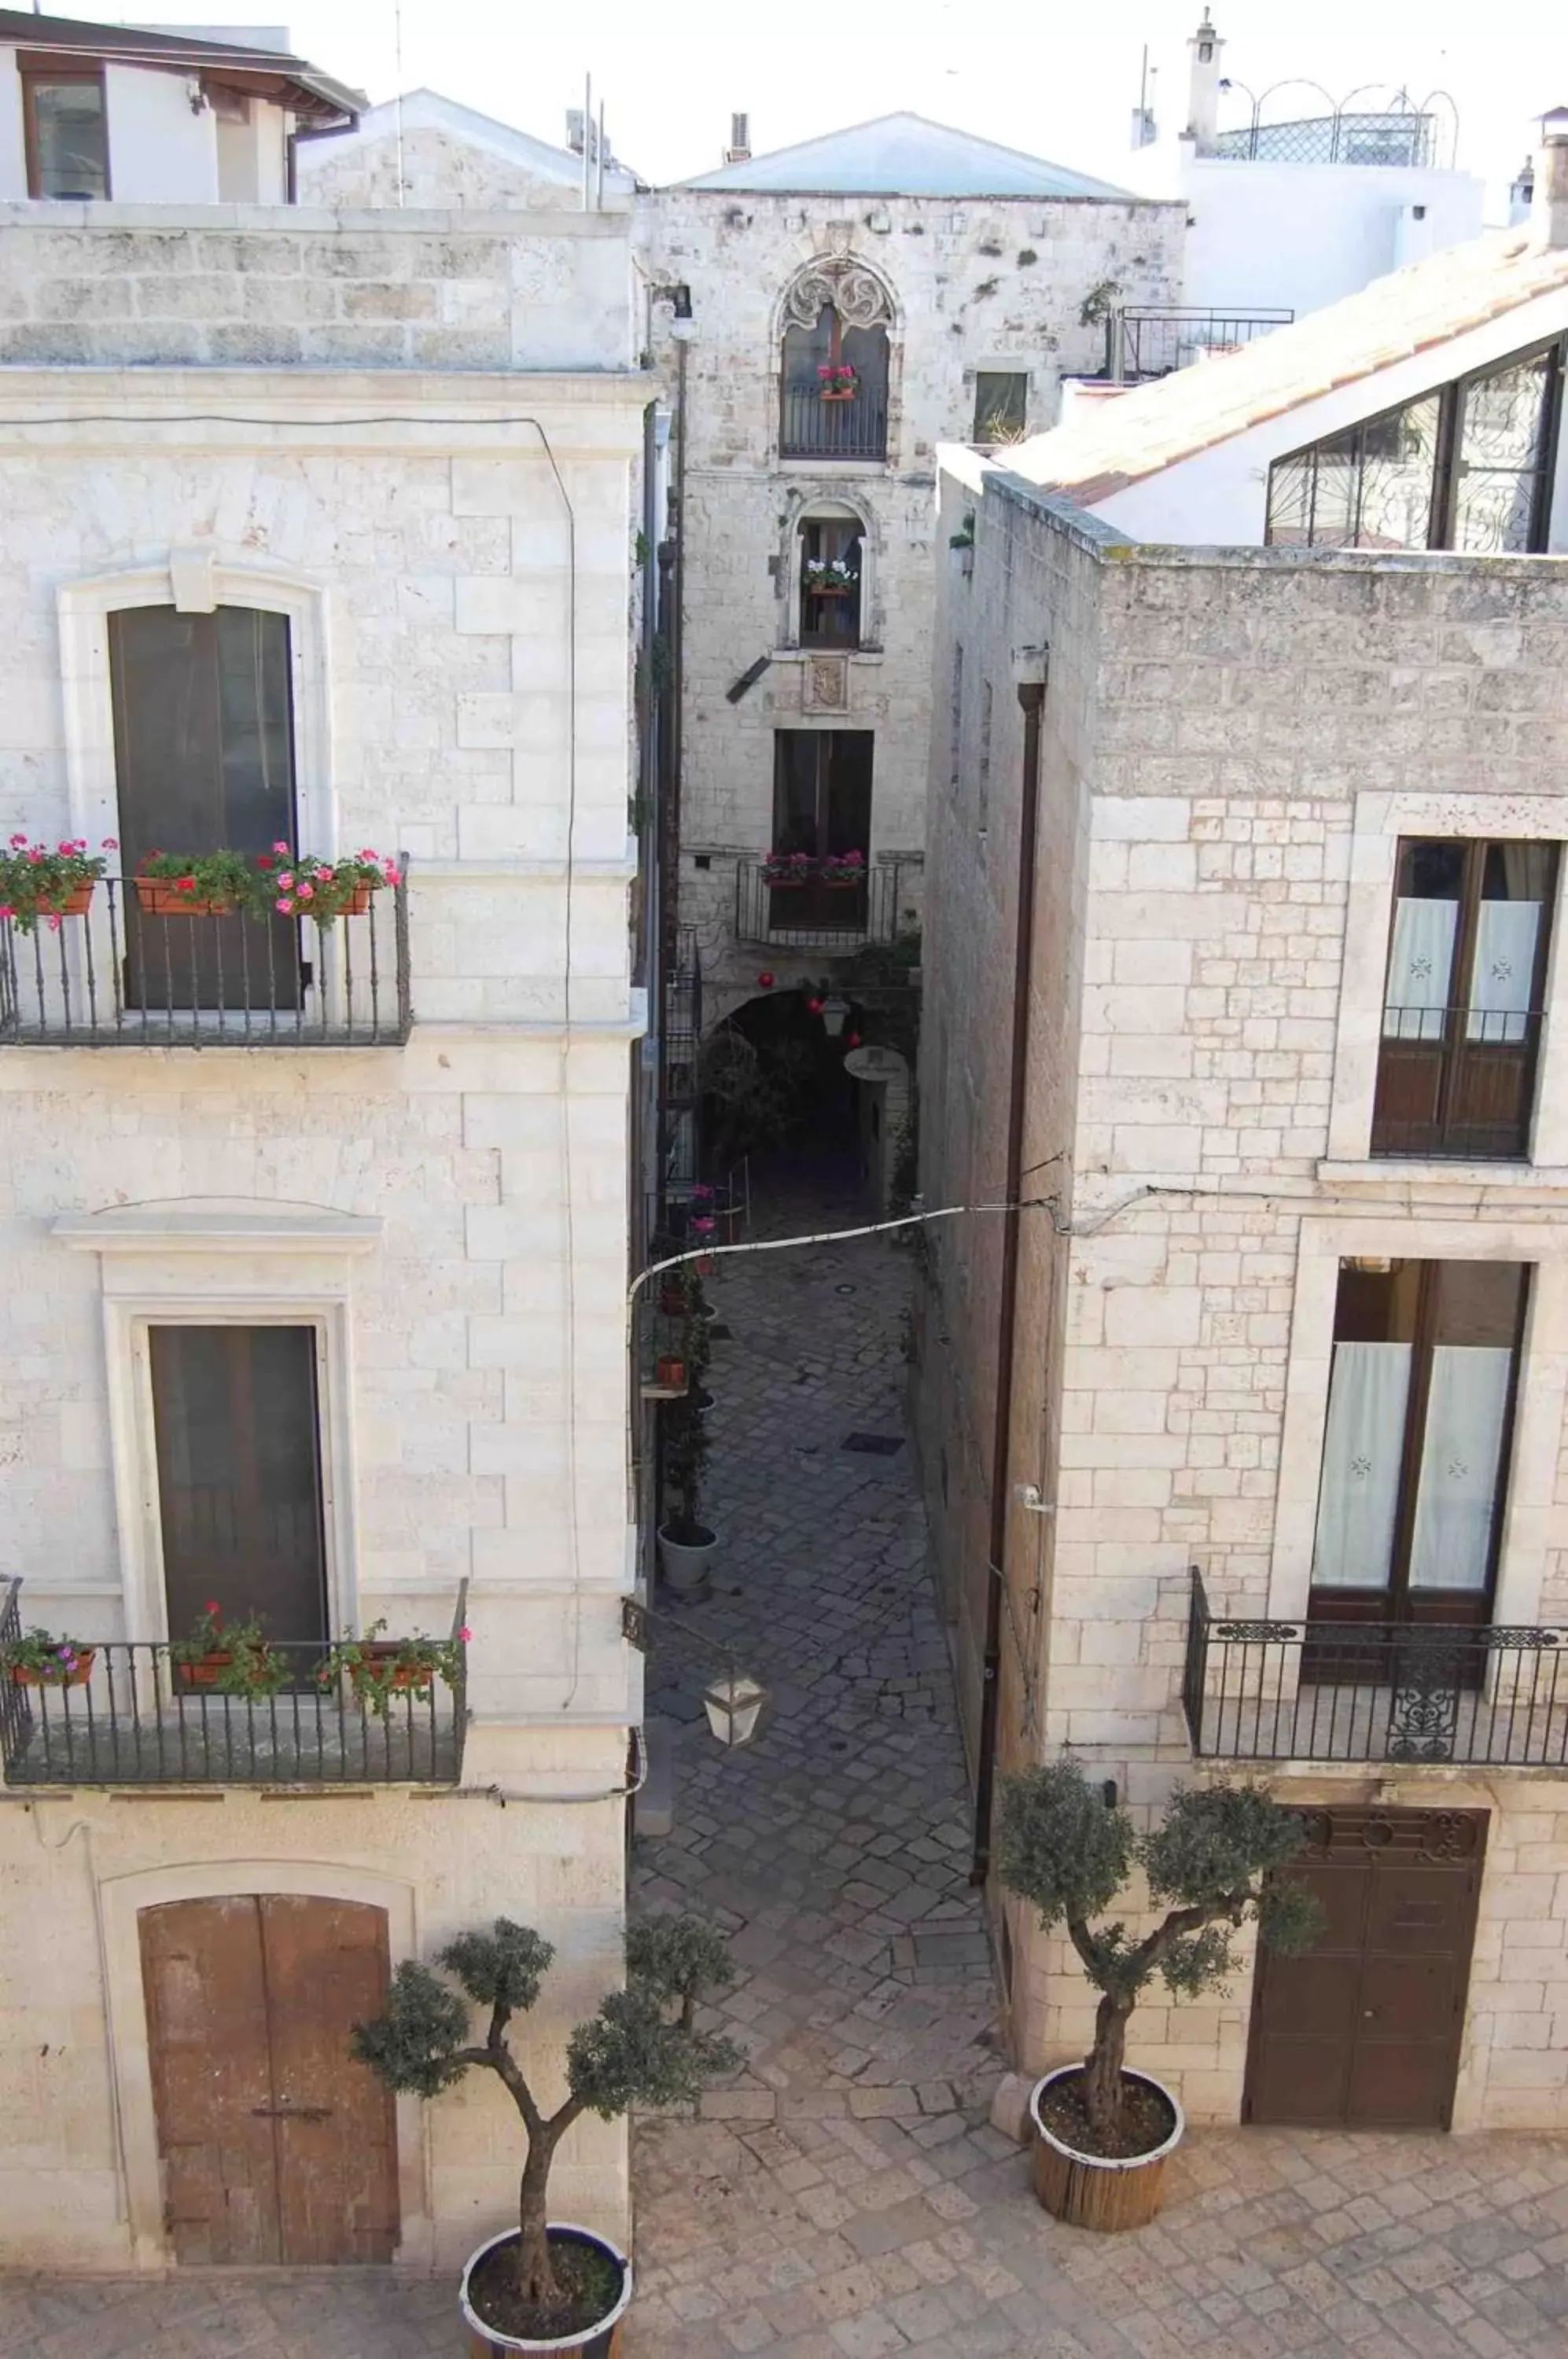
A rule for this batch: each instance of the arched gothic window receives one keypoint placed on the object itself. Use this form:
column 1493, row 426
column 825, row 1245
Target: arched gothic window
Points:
column 833, row 380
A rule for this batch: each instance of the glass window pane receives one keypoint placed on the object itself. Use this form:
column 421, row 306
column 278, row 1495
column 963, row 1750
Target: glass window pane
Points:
column 69, row 142
column 1502, row 456
column 1398, row 470
column 1420, row 948
column 1000, row 404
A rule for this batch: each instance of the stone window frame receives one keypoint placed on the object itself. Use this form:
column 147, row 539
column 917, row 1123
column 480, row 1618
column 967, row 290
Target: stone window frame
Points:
column 827, row 502
column 822, row 275
column 1381, row 822
column 183, row 1264
column 1531, row 1481
column 194, row 580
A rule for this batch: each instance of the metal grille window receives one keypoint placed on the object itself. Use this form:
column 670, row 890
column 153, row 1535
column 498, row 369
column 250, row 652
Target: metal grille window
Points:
column 1466, row 467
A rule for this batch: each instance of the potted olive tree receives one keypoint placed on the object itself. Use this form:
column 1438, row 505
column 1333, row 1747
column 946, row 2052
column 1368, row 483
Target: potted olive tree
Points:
column 1103, row 2133
column 686, row 1544
column 546, row 2285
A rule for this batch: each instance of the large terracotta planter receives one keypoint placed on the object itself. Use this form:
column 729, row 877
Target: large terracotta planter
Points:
column 1102, row 2191
column 602, row 2340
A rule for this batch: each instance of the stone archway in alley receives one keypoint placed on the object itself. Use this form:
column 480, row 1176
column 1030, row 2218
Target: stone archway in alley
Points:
column 835, row 1849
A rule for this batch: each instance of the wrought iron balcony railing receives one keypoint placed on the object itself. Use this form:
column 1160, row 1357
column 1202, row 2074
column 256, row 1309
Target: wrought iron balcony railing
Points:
column 1145, row 342
column 1374, row 1691
column 811, row 428
column 142, row 1718
column 1456, row 1082
column 120, row 976
column 817, row 915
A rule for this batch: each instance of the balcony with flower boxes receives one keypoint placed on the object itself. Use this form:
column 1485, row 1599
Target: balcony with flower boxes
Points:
column 795, row 902
column 244, row 1710
column 218, row 949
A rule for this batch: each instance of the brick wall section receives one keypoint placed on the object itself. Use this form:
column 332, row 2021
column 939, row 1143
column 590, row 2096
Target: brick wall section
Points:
column 270, row 286
column 1211, row 718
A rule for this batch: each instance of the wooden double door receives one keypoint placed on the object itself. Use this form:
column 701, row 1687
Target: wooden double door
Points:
column 1363, row 2031
column 276, row 2145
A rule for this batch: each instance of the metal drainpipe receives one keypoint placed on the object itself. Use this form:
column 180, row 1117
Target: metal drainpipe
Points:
column 1032, row 697
column 677, row 664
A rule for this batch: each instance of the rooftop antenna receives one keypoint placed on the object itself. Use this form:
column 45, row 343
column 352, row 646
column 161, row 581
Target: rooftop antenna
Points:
column 599, row 165
column 587, row 137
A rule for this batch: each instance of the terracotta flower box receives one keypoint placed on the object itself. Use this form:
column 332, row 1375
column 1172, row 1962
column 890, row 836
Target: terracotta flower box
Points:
column 24, row 1675
column 158, row 896
column 204, row 1673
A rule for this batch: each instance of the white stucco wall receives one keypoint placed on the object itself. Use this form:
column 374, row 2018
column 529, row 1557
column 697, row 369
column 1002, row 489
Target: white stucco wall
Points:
column 160, row 152
column 13, row 133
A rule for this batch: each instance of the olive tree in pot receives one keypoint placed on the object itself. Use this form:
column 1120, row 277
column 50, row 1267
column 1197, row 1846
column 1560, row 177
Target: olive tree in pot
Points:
column 1103, row 2133
column 686, row 1544
column 546, row 2285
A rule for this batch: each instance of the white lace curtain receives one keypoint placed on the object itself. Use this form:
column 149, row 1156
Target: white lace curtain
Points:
column 1359, row 1495
column 1457, row 1499
column 1421, row 960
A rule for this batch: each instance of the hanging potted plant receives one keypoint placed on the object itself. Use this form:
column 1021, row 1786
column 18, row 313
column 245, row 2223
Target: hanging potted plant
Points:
column 305, row 886
column 836, row 381
column 232, row 1658
column 378, row 1669
column 1103, row 2133
column 38, row 882
column 686, row 1544
column 40, row 1659
column 196, row 884
column 546, row 2285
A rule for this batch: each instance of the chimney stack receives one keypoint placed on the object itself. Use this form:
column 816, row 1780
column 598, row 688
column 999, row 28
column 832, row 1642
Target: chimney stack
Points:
column 1549, row 198
column 739, row 150
column 1203, row 87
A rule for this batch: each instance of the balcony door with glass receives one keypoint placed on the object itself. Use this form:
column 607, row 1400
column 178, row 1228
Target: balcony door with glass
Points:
column 204, row 762
column 239, row 1477
column 822, row 807
column 1463, row 999
column 1420, row 1407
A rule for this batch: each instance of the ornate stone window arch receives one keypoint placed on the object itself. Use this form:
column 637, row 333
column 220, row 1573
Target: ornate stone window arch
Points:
column 834, row 322
column 830, row 574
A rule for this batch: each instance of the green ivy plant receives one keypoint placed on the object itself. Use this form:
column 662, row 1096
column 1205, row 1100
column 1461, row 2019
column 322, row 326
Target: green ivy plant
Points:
column 643, row 2047
column 1216, row 1856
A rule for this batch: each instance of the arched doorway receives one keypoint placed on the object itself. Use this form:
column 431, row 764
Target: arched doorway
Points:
column 275, row 2146
column 775, row 1091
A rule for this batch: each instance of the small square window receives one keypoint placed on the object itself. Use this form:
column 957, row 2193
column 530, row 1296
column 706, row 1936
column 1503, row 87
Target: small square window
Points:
column 1001, row 405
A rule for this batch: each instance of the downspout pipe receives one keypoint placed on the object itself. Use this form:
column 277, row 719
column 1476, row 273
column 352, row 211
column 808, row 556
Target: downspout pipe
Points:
column 1030, row 665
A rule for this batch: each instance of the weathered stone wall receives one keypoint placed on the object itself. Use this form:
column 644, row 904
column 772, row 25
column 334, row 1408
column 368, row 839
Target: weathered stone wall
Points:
column 1234, row 743
column 281, row 286
column 978, row 284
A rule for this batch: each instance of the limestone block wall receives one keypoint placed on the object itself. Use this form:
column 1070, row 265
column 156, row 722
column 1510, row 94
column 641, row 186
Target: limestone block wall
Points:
column 976, row 284
column 449, row 1216
column 267, row 286
column 1234, row 743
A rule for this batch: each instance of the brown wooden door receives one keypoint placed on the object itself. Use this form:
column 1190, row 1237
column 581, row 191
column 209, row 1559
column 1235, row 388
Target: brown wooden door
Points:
column 235, row 1417
column 276, row 2145
column 1363, row 2032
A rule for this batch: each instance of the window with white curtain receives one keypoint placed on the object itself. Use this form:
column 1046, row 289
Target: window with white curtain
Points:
column 1463, row 998
column 1415, row 1444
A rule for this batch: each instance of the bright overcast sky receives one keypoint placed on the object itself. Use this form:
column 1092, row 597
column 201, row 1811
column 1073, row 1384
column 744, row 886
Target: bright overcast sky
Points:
column 1058, row 82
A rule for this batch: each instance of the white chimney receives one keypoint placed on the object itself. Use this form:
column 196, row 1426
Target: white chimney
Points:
column 739, row 150
column 1549, row 200
column 1203, row 87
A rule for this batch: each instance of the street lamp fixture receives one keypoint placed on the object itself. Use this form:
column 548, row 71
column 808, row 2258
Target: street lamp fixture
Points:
column 835, row 1015
column 733, row 1701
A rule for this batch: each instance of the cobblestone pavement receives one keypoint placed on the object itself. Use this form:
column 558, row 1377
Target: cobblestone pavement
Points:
column 845, row 2198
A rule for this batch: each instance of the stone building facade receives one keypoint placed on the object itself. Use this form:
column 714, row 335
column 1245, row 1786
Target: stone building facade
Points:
column 1250, row 757
column 974, row 299
column 386, row 464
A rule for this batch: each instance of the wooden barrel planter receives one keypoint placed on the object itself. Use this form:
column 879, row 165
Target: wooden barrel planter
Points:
column 1107, row 2192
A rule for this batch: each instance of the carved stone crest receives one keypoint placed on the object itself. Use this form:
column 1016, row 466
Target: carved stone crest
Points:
column 826, row 684
column 857, row 294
